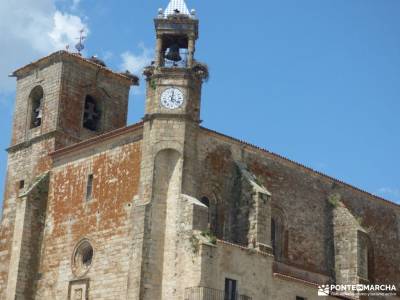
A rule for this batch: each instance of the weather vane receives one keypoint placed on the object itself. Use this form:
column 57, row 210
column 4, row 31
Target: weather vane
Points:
column 80, row 46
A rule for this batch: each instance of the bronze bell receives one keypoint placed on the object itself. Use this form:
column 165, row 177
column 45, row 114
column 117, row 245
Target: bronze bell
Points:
column 173, row 53
column 38, row 113
column 38, row 116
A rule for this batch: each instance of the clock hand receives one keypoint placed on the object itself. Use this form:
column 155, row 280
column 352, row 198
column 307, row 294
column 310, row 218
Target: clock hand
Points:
column 173, row 96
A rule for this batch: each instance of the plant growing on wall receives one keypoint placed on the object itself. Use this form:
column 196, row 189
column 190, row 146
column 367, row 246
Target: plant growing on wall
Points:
column 359, row 220
column 195, row 243
column 334, row 200
column 210, row 236
column 153, row 84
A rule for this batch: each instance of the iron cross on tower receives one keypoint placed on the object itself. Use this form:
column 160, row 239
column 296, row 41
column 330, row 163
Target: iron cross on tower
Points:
column 80, row 46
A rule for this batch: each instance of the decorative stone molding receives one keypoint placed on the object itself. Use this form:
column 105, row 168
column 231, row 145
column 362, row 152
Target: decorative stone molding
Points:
column 82, row 258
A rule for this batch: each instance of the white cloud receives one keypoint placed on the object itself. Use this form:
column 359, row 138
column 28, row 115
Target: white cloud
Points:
column 65, row 30
column 31, row 29
column 389, row 191
column 136, row 62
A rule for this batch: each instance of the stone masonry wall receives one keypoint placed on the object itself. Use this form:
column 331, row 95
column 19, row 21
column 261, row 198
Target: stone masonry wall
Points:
column 27, row 238
column 235, row 200
column 253, row 272
column 167, row 171
column 110, row 91
column 25, row 164
column 49, row 78
column 65, row 80
column 345, row 228
column 104, row 220
column 302, row 195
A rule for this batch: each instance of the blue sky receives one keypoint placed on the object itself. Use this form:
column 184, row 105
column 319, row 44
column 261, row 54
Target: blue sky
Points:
column 315, row 81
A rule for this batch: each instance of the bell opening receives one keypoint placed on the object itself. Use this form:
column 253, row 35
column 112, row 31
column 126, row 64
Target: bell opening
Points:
column 175, row 51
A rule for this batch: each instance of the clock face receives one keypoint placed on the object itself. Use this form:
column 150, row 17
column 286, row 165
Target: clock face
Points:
column 172, row 98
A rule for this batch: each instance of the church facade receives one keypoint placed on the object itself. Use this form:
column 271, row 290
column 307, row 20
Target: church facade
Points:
column 165, row 208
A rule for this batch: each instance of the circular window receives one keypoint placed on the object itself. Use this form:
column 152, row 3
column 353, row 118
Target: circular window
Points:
column 82, row 258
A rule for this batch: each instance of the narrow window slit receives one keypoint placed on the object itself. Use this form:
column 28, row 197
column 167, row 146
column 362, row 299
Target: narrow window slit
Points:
column 21, row 184
column 89, row 187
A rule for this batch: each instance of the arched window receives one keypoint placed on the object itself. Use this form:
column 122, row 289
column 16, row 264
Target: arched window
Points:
column 277, row 233
column 205, row 201
column 91, row 114
column 215, row 214
column 36, row 107
column 365, row 256
column 273, row 235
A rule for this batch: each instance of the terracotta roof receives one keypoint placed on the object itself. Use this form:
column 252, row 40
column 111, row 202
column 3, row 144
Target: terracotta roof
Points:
column 300, row 165
column 68, row 54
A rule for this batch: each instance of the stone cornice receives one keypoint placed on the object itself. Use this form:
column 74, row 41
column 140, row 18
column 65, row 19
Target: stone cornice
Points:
column 62, row 56
column 186, row 117
column 97, row 139
column 26, row 144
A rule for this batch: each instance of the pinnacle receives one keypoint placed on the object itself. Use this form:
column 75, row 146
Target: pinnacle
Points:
column 177, row 6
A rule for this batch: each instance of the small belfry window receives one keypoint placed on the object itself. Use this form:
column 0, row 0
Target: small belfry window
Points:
column 36, row 102
column 92, row 114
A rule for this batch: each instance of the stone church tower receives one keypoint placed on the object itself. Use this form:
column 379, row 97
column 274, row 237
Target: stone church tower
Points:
column 55, row 100
column 166, row 209
column 168, row 173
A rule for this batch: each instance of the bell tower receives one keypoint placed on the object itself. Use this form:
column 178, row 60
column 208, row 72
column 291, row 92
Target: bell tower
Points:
column 61, row 99
column 169, row 154
column 175, row 78
column 174, row 82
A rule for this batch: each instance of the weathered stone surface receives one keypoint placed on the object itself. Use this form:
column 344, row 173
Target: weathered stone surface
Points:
column 65, row 79
column 315, row 227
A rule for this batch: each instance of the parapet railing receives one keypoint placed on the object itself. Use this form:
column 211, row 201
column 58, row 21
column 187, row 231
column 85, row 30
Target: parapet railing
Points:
column 204, row 293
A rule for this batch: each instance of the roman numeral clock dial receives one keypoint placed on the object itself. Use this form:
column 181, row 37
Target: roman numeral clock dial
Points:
column 172, row 98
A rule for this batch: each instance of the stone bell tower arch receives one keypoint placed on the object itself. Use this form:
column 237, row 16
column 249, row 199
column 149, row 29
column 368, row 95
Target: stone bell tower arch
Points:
column 169, row 151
